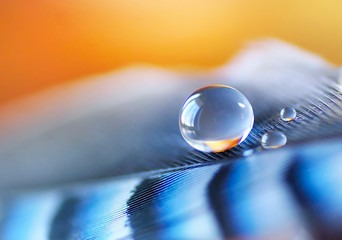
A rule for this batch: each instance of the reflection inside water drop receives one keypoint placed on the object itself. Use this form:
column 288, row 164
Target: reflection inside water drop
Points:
column 273, row 139
column 247, row 152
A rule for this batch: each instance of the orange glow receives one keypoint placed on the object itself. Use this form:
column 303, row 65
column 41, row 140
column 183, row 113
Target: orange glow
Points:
column 43, row 42
column 223, row 145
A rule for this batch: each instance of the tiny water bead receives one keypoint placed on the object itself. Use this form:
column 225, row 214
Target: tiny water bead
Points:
column 273, row 139
column 288, row 114
column 216, row 118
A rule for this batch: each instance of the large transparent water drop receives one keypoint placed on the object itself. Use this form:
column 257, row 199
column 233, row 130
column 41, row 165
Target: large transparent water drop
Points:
column 273, row 139
column 216, row 118
column 288, row 114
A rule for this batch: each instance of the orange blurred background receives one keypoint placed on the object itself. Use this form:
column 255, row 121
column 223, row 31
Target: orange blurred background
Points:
column 45, row 42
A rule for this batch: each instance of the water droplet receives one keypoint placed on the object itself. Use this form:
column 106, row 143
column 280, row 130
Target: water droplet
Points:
column 216, row 118
column 288, row 114
column 273, row 139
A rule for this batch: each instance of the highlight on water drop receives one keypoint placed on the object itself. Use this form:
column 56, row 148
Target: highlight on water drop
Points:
column 216, row 118
column 287, row 114
column 273, row 139
column 248, row 152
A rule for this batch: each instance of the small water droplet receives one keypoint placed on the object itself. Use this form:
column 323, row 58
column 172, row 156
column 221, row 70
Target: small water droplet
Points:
column 273, row 139
column 216, row 118
column 288, row 114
